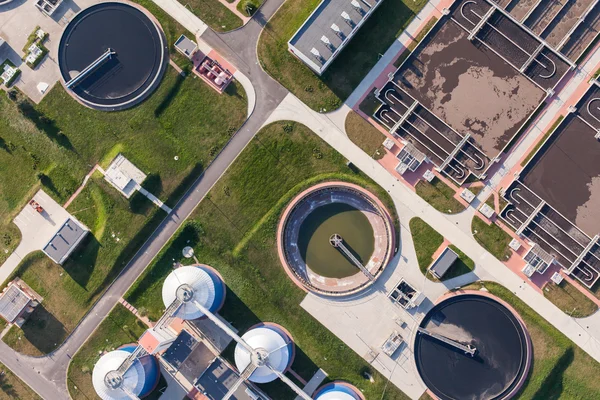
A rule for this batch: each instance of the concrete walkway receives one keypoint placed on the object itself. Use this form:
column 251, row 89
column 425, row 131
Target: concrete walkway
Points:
column 154, row 199
column 586, row 335
column 183, row 15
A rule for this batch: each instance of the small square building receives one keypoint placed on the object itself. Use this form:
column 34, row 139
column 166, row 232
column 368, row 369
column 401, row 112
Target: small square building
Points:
column 186, row 46
column 443, row 263
column 17, row 302
column 124, row 176
column 65, row 240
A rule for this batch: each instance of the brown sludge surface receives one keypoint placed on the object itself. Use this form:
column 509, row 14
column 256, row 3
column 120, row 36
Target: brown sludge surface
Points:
column 470, row 88
column 567, row 174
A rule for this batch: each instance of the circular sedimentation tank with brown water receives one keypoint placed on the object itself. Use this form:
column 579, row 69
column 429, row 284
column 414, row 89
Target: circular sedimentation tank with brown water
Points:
column 328, row 232
column 502, row 358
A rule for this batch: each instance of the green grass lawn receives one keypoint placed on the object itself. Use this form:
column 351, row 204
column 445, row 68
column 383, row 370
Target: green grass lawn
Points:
column 440, row 196
column 365, row 135
column 13, row 388
column 118, row 328
column 54, row 144
column 118, row 227
column 350, row 67
column 215, row 14
column 234, row 230
column 426, row 241
column 569, row 299
column 492, row 238
column 248, row 7
column 561, row 370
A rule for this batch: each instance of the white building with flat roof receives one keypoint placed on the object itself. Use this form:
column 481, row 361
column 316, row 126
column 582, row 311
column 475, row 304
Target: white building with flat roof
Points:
column 124, row 176
column 65, row 240
column 328, row 30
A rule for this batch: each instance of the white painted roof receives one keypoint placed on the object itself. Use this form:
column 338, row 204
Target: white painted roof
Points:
column 200, row 282
column 133, row 379
column 336, row 395
column 12, row 302
column 274, row 343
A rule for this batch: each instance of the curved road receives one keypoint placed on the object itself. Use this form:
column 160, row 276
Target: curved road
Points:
column 48, row 375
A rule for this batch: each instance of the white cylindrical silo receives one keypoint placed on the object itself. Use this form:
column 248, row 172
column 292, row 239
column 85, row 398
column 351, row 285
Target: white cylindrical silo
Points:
column 191, row 284
column 139, row 379
column 273, row 340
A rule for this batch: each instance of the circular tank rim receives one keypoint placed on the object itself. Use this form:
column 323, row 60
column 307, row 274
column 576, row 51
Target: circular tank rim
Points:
column 283, row 330
column 223, row 286
column 292, row 205
column 155, row 363
column 529, row 346
column 156, row 80
column 322, row 388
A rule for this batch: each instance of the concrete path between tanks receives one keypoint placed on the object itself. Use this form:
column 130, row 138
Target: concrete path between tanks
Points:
column 183, row 15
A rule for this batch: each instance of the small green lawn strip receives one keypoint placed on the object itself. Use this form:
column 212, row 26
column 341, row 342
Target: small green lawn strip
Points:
column 492, row 238
column 248, row 7
column 440, row 196
column 365, row 135
column 426, row 241
column 569, row 299
column 172, row 30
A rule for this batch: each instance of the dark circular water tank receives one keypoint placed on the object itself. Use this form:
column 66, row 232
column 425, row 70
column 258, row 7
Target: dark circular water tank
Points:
column 500, row 364
column 130, row 75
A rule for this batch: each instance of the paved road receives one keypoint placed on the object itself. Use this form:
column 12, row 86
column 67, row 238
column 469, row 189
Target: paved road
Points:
column 47, row 375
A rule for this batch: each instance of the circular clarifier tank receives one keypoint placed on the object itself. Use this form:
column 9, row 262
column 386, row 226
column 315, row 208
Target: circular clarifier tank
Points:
column 502, row 356
column 123, row 50
column 335, row 238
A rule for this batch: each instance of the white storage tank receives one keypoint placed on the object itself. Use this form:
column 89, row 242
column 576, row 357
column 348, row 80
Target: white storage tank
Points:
column 273, row 341
column 196, row 283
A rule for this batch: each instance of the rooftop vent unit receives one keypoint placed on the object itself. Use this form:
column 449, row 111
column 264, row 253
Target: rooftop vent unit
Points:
column 347, row 18
column 317, row 55
column 327, row 43
column 337, row 31
column 357, row 6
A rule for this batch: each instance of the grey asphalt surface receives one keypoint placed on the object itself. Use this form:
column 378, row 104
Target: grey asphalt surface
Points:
column 48, row 375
